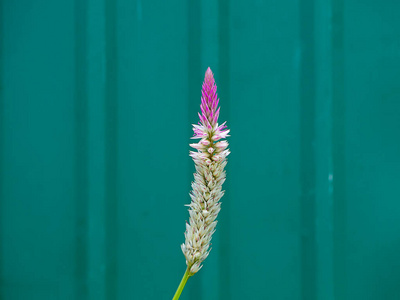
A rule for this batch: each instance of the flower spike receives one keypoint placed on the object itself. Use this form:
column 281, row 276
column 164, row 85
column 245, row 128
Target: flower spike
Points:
column 210, row 161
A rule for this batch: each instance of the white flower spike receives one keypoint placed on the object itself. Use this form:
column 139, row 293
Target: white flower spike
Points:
column 210, row 161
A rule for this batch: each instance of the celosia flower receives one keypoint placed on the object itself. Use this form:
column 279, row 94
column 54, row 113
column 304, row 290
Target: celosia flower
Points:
column 210, row 161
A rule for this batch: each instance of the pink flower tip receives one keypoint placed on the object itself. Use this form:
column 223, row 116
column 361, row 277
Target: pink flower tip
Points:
column 209, row 102
column 209, row 78
column 209, row 73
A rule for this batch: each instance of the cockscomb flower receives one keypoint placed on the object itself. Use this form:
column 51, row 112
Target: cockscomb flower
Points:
column 210, row 161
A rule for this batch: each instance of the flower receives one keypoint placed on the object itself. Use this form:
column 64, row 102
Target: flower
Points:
column 210, row 161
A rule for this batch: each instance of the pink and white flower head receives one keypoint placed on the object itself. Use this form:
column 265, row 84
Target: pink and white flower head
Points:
column 210, row 161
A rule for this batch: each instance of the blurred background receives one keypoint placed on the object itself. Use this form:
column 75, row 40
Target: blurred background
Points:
column 97, row 102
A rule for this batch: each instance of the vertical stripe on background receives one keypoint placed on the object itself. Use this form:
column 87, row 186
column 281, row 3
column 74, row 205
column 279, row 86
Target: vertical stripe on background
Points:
column 307, row 151
column 323, row 141
column 1, row 150
column 111, row 150
column 81, row 143
column 96, row 148
column 338, row 150
column 223, row 81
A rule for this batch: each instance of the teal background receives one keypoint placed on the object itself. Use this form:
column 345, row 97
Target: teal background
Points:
column 97, row 98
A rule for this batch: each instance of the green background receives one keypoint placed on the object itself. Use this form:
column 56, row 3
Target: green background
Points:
column 97, row 98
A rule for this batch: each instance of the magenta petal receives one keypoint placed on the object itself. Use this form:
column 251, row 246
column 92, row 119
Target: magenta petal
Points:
column 216, row 115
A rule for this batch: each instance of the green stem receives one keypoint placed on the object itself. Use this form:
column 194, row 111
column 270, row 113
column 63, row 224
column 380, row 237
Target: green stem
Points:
column 182, row 284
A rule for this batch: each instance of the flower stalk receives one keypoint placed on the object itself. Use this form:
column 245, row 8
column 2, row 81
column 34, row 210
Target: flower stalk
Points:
column 182, row 284
column 210, row 161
